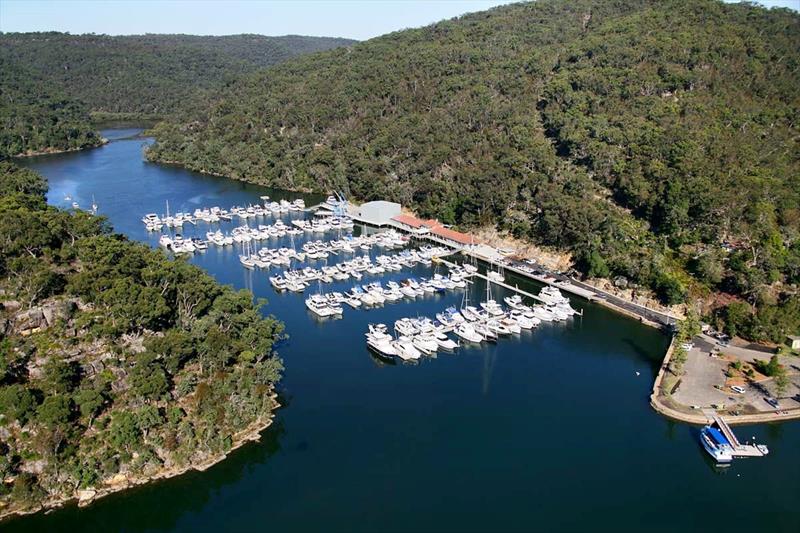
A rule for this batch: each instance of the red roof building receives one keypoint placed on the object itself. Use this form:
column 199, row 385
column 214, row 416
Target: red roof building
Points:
column 408, row 220
column 435, row 227
column 452, row 235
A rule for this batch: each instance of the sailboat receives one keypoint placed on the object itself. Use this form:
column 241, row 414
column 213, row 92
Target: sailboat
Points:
column 491, row 306
column 246, row 259
column 94, row 206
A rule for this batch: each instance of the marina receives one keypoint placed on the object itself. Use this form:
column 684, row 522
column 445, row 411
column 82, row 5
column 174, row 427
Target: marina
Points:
column 375, row 439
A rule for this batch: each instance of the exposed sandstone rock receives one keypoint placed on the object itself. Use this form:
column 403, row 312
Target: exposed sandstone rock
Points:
column 86, row 496
column 43, row 316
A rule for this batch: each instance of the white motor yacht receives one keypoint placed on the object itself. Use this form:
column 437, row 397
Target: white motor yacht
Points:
column 321, row 307
column 493, row 308
column 406, row 326
column 406, row 349
column 467, row 332
column 425, row 343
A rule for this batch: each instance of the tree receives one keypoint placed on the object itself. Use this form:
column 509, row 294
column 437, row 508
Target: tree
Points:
column 736, row 318
column 669, row 289
column 176, row 347
column 33, row 279
column 26, row 488
column 123, row 432
column 782, row 383
column 90, row 402
column 55, row 411
column 147, row 418
column 593, row 265
column 17, row 403
column 61, row 376
column 148, row 376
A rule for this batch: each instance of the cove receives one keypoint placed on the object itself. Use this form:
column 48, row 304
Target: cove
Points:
column 550, row 430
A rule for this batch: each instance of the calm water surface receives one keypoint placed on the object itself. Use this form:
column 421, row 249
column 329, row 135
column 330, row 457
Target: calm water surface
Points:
column 548, row 431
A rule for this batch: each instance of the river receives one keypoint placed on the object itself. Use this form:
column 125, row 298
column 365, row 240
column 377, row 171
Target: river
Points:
column 550, row 430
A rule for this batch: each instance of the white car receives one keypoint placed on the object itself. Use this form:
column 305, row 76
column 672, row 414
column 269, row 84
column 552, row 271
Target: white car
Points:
column 737, row 388
column 687, row 346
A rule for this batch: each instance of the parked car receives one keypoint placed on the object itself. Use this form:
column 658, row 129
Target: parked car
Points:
column 738, row 389
column 772, row 401
column 687, row 346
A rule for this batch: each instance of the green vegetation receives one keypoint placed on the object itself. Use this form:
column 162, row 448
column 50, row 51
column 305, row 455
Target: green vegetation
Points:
column 115, row 360
column 686, row 330
column 148, row 75
column 652, row 139
column 52, row 85
column 775, row 370
column 769, row 368
column 35, row 116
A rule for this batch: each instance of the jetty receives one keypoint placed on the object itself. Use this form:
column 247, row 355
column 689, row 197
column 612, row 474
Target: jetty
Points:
column 503, row 284
column 739, row 449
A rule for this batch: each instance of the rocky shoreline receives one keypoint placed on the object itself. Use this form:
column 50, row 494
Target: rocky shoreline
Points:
column 122, row 482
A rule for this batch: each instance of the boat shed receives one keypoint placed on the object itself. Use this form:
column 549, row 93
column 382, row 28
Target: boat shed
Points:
column 379, row 212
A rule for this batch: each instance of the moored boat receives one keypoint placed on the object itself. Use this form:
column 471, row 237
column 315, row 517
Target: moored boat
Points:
column 715, row 443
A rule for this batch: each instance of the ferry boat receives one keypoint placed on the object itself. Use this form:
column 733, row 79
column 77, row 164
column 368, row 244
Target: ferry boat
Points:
column 716, row 444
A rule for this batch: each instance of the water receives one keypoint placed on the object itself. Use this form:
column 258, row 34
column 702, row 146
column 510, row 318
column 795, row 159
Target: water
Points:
column 548, row 431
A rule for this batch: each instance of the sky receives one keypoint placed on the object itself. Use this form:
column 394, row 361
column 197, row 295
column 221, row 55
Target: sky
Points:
column 355, row 19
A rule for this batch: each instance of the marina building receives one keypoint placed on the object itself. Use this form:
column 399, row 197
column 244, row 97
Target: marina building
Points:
column 433, row 228
column 378, row 213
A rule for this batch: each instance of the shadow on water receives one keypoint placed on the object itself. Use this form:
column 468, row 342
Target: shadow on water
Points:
column 160, row 504
column 653, row 360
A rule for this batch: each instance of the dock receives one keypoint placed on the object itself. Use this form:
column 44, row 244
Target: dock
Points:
column 739, row 449
column 491, row 256
column 499, row 283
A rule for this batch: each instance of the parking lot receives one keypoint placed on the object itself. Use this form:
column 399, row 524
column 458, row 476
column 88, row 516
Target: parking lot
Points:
column 704, row 381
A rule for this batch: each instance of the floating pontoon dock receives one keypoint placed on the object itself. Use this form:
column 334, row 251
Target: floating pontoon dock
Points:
column 500, row 283
column 739, row 449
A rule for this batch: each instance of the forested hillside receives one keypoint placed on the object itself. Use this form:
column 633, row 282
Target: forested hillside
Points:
column 36, row 116
column 116, row 363
column 148, row 74
column 656, row 140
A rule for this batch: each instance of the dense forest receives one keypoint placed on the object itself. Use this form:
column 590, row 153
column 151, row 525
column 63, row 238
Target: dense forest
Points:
column 655, row 140
column 148, row 74
column 54, row 85
column 35, row 116
column 116, row 363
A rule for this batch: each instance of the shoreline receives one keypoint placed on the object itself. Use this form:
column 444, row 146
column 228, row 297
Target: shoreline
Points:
column 179, row 164
column 85, row 497
column 53, row 151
